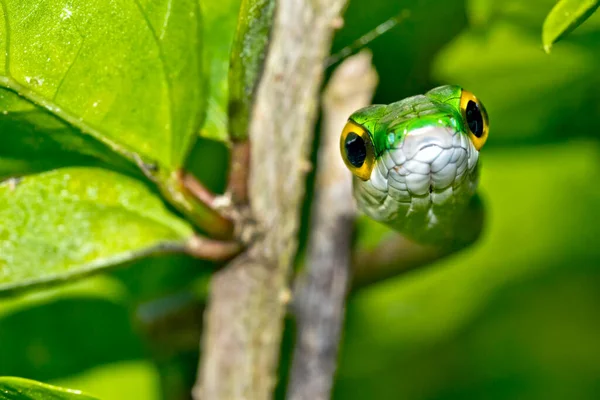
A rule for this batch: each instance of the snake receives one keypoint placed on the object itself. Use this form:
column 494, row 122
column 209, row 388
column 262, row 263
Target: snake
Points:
column 416, row 163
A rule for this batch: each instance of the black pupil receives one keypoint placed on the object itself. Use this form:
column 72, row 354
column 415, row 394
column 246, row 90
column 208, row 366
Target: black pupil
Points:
column 356, row 150
column 474, row 118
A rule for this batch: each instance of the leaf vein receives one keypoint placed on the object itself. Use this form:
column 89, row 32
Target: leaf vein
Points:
column 166, row 21
column 68, row 71
column 76, row 123
column 29, row 14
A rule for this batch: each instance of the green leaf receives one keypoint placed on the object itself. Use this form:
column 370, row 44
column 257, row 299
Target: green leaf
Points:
column 74, row 221
column 247, row 57
column 125, row 74
column 564, row 18
column 34, row 141
column 120, row 82
column 220, row 20
column 25, row 389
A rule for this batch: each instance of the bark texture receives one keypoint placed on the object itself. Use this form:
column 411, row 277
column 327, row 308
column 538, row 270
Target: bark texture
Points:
column 319, row 301
column 244, row 319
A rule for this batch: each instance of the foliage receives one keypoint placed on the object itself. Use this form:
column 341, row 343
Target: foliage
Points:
column 102, row 103
column 23, row 389
column 564, row 17
column 147, row 98
column 71, row 221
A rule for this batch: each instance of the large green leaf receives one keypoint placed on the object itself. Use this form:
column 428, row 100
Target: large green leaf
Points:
column 126, row 74
column 73, row 221
column 24, row 389
column 564, row 17
column 34, row 140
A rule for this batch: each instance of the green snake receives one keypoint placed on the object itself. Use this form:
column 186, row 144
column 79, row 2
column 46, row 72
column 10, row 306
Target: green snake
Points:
column 415, row 163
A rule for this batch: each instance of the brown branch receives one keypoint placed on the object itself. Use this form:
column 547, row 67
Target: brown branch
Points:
column 212, row 250
column 244, row 319
column 320, row 291
column 197, row 202
column 196, row 188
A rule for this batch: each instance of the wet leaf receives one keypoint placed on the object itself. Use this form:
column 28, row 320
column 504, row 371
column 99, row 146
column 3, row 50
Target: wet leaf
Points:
column 25, row 389
column 101, row 77
column 75, row 221
column 564, row 18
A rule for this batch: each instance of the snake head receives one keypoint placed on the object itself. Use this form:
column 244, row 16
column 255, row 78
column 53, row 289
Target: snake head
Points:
column 415, row 161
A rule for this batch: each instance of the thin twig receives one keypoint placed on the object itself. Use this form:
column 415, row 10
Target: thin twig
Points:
column 367, row 38
column 212, row 250
column 196, row 188
column 320, row 292
column 244, row 319
column 196, row 201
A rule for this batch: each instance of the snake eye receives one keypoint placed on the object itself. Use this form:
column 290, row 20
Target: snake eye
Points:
column 475, row 117
column 357, row 150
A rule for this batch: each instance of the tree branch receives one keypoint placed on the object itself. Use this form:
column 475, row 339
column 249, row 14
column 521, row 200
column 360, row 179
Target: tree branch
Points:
column 244, row 318
column 320, row 292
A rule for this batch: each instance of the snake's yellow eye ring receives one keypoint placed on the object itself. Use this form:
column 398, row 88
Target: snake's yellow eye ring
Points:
column 357, row 150
column 475, row 117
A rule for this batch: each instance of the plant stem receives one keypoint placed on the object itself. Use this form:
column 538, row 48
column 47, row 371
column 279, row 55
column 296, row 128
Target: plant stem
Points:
column 196, row 188
column 212, row 250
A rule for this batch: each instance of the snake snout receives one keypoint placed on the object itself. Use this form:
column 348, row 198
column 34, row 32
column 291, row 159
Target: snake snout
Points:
column 430, row 160
column 420, row 140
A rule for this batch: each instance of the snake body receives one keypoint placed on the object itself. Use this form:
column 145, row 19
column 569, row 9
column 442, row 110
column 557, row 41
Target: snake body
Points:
column 416, row 161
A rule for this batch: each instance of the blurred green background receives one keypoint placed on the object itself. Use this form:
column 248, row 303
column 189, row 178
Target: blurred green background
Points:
column 514, row 316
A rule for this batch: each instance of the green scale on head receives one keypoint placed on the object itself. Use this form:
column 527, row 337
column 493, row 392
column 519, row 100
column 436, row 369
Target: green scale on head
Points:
column 416, row 160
